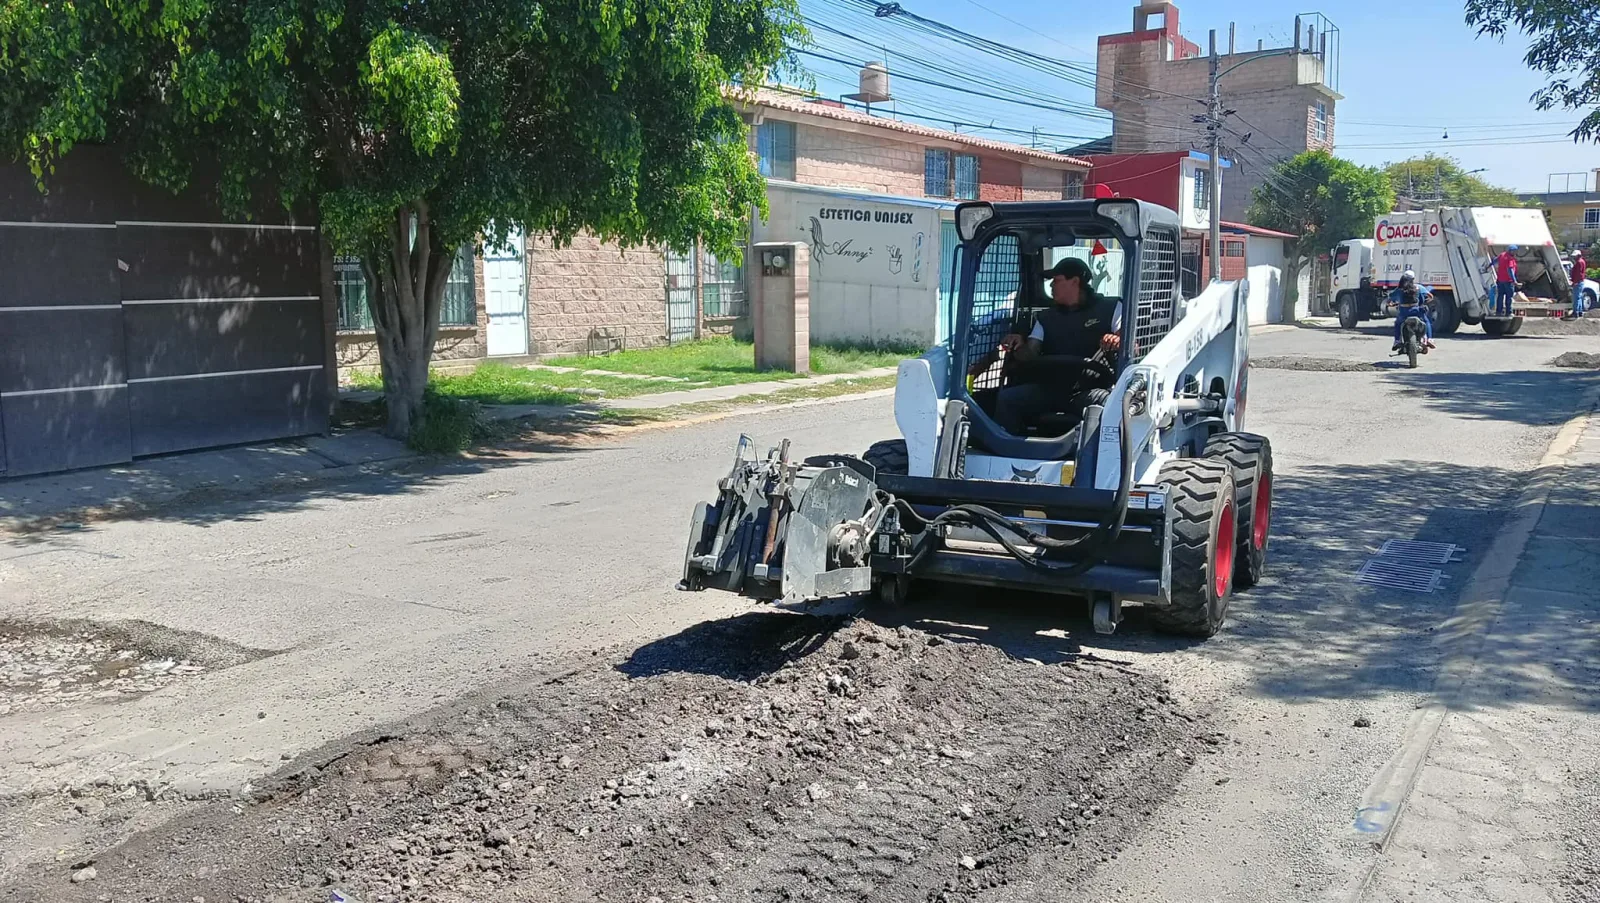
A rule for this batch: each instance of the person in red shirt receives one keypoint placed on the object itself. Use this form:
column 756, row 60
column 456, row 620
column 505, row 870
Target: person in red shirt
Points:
column 1505, row 281
column 1580, row 272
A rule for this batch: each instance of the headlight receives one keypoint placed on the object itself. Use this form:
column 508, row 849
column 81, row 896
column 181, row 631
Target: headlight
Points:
column 1125, row 213
column 969, row 217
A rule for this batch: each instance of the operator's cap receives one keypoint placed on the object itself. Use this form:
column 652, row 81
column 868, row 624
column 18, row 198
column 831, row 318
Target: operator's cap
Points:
column 1070, row 267
column 1512, row 248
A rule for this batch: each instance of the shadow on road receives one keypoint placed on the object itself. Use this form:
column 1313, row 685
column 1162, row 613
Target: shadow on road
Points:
column 744, row 647
column 248, row 482
column 1532, row 397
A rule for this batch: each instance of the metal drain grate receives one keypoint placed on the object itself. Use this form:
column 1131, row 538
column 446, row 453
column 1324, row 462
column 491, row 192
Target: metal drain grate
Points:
column 1422, row 552
column 1400, row 575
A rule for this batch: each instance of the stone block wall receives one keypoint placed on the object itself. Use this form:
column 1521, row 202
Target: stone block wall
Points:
column 594, row 291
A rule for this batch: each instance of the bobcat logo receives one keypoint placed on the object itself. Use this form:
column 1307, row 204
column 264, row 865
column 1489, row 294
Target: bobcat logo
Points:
column 1018, row 475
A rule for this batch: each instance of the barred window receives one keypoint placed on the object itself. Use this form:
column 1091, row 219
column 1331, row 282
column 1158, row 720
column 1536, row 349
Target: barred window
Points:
column 458, row 308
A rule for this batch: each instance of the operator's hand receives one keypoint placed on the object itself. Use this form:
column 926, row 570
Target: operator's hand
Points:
column 1011, row 343
column 1111, row 342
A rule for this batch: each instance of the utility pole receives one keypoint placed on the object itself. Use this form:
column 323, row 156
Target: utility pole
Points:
column 1214, row 164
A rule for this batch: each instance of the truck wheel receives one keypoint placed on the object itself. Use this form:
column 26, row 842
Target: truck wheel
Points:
column 1448, row 319
column 889, row 456
column 1348, row 316
column 1204, row 516
column 1250, row 456
column 1515, row 326
column 1496, row 327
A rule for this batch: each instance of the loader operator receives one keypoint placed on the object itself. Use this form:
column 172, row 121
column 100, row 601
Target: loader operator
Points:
column 1081, row 324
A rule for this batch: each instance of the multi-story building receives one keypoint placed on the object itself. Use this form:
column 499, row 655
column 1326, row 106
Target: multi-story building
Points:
column 1573, row 212
column 1155, row 83
column 824, row 162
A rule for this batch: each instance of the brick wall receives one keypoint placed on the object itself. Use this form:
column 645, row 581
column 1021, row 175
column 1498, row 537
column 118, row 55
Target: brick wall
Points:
column 1042, row 184
column 843, row 159
column 594, row 290
column 999, row 180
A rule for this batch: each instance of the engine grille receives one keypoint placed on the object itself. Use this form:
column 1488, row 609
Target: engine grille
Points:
column 1158, row 275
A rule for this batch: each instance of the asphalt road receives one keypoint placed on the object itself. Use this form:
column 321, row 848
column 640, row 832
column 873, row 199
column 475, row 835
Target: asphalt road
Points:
column 349, row 607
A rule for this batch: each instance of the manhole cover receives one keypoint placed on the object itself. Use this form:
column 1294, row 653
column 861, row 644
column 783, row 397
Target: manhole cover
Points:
column 1403, row 575
column 1421, row 552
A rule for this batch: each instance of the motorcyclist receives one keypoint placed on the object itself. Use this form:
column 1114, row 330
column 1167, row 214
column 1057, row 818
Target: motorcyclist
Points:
column 1412, row 300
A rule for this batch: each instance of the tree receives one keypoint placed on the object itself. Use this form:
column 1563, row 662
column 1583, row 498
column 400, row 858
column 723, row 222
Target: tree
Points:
column 1322, row 199
column 412, row 127
column 1435, row 179
column 1565, row 34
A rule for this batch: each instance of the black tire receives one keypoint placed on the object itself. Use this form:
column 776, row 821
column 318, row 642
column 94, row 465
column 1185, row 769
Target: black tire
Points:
column 889, row 456
column 1412, row 348
column 1496, row 327
column 1201, row 497
column 1250, row 456
column 1471, row 321
column 1447, row 317
column 893, row 590
column 1515, row 326
column 1348, row 315
column 1589, row 300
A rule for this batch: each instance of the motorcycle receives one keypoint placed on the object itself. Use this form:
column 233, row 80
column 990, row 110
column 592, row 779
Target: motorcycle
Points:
column 1413, row 338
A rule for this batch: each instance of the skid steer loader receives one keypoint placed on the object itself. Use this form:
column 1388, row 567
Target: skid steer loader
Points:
column 1148, row 492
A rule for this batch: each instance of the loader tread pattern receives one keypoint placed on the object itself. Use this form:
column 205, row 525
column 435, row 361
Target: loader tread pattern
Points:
column 889, row 456
column 1250, row 456
column 1195, row 487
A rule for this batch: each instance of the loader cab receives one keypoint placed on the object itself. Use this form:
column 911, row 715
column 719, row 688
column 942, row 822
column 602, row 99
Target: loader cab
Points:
column 1131, row 250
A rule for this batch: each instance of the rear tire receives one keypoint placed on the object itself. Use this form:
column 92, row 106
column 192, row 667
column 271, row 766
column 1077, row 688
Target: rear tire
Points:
column 889, row 456
column 1348, row 316
column 1448, row 316
column 1515, row 326
column 1411, row 352
column 1496, row 327
column 1200, row 494
column 1250, row 457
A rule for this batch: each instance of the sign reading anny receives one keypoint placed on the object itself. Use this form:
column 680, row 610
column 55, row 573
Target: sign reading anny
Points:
column 871, row 244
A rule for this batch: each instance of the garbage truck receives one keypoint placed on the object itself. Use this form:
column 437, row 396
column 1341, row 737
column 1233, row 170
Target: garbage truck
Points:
column 1452, row 251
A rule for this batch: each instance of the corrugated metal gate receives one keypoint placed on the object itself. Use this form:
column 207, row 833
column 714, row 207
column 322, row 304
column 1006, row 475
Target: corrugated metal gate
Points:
column 133, row 323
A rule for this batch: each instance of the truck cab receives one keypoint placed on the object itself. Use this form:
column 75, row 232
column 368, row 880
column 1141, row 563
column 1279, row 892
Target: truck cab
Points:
column 1350, row 283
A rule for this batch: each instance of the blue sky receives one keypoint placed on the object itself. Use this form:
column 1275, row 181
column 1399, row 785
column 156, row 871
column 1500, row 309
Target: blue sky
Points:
column 1411, row 70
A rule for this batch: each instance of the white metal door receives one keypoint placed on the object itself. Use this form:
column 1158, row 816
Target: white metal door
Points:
column 505, row 290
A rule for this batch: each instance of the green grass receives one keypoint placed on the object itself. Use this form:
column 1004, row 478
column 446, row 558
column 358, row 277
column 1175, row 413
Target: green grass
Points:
column 711, row 362
column 724, row 362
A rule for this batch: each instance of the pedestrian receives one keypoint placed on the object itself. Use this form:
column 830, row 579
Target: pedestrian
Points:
column 1505, row 280
column 1580, row 272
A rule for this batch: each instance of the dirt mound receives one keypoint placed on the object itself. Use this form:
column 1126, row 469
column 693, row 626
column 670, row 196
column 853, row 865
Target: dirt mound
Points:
column 1578, row 360
column 772, row 757
column 1589, row 325
column 1311, row 364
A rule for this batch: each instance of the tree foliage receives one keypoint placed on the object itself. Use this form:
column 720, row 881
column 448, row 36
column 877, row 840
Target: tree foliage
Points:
column 1565, row 46
column 1440, row 179
column 411, row 127
column 1322, row 199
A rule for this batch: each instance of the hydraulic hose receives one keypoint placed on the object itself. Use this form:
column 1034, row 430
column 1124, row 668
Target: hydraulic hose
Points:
column 1004, row 530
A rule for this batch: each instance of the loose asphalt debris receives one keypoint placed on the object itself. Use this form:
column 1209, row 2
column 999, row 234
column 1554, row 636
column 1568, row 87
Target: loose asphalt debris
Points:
column 1311, row 364
column 1578, row 360
column 769, row 757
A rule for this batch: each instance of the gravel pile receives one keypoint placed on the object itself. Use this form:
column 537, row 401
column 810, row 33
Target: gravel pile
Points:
column 1311, row 364
column 1578, row 360
column 771, row 757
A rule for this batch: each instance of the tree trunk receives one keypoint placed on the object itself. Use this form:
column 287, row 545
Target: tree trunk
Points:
column 405, row 291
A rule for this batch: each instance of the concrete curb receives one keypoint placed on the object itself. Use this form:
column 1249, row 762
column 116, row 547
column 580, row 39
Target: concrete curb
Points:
column 1463, row 637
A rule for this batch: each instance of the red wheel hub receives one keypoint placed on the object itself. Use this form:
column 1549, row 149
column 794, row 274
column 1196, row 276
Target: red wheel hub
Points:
column 1222, row 555
column 1261, row 517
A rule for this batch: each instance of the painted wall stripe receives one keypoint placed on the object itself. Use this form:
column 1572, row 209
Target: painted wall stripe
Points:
column 165, row 379
column 21, row 393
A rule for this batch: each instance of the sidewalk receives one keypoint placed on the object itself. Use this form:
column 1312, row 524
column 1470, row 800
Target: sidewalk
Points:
column 63, row 500
column 1502, row 807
